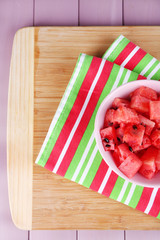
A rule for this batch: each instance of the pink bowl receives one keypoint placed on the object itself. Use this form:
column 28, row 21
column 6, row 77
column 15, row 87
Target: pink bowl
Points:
column 122, row 92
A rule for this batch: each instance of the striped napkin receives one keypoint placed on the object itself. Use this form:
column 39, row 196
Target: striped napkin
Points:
column 70, row 149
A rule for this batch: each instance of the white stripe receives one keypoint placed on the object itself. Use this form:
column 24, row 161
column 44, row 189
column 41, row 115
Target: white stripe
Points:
column 122, row 191
column 154, row 71
column 103, row 184
column 149, row 65
column 83, row 158
column 61, row 105
column 117, row 78
column 150, row 204
column 130, row 194
column 79, row 117
column 130, row 56
column 88, row 165
column 113, row 46
column 127, row 76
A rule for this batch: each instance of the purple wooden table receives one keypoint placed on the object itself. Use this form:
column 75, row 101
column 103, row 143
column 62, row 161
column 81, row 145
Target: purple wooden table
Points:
column 15, row 14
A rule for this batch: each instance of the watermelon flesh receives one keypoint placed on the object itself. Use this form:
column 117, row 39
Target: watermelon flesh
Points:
column 130, row 166
column 145, row 92
column 109, row 139
column 126, row 115
column 120, row 102
column 155, row 138
column 147, row 123
column 133, row 134
column 140, row 104
column 148, row 168
column 154, row 107
column 145, row 144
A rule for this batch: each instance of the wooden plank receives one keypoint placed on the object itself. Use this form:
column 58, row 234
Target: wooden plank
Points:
column 57, row 202
column 139, row 235
column 51, row 235
column 57, row 12
column 13, row 15
column 20, row 117
column 103, row 235
column 97, row 13
column 144, row 12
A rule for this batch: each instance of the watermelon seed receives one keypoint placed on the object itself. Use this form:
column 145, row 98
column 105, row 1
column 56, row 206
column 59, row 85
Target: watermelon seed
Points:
column 106, row 140
column 110, row 124
column 134, row 127
column 107, row 145
column 118, row 139
column 117, row 127
column 130, row 149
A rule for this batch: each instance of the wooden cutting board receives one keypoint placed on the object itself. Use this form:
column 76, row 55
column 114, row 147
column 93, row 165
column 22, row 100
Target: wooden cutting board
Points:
column 43, row 59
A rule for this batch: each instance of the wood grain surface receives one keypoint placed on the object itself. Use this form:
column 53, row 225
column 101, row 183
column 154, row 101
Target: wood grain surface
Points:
column 20, row 128
column 58, row 203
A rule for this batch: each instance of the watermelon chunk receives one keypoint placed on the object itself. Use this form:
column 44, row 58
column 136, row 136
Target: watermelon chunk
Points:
column 133, row 134
column 145, row 144
column 157, row 123
column 131, row 165
column 147, row 123
column 109, row 118
column 120, row 102
column 140, row 104
column 154, row 107
column 126, row 115
column 109, row 139
column 155, row 138
column 120, row 134
column 148, row 168
column 158, row 160
column 145, row 92
column 123, row 152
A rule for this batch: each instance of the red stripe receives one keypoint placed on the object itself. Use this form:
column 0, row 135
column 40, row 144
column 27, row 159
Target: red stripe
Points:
column 144, row 200
column 135, row 59
column 78, row 104
column 99, row 176
column 124, row 54
column 85, row 119
column 140, row 77
column 110, row 184
column 156, row 205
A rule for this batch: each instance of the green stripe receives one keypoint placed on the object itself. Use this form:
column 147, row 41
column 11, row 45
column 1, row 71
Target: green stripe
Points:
column 66, row 110
column 117, row 188
column 136, row 196
column 112, row 57
column 143, row 63
column 89, row 130
column 151, row 68
column 156, row 76
column 158, row 216
column 93, row 170
column 86, row 161
column 122, row 77
column 126, row 192
column 133, row 76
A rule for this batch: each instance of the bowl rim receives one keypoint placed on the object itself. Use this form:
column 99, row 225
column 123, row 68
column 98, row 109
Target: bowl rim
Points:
column 138, row 83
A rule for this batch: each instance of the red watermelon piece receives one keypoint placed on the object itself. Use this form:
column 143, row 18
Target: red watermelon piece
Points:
column 140, row 104
column 157, row 122
column 120, row 102
column 109, row 139
column 123, row 152
column 148, row 168
column 158, row 160
column 133, row 134
column 155, row 138
column 154, row 107
column 126, row 115
column 147, row 123
column 145, row 92
column 109, row 118
column 131, row 165
column 145, row 144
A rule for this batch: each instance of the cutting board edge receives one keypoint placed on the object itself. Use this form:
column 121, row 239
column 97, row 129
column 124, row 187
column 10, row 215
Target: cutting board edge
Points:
column 20, row 113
